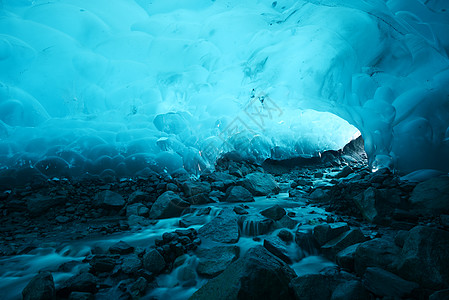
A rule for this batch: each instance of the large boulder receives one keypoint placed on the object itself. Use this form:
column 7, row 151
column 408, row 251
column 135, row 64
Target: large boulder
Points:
column 425, row 257
column 379, row 252
column 260, row 184
column 275, row 212
column 41, row 287
column 153, row 261
column 238, row 194
column 168, row 205
column 323, row 233
column 432, row 195
column 84, row 282
column 192, row 188
column 386, row 284
column 366, row 202
column 256, row 275
column 344, row 240
column 214, row 261
column 109, row 200
column 223, row 228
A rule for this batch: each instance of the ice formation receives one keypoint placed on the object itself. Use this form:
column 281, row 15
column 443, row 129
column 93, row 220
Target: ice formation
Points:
column 118, row 86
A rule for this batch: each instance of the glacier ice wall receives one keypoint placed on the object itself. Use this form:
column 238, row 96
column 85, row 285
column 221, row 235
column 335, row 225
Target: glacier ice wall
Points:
column 118, row 86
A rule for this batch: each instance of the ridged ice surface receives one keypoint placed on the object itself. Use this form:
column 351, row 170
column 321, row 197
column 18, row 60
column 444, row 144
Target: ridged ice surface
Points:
column 89, row 85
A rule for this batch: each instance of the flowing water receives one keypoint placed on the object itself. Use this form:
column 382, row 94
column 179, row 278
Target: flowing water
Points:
column 16, row 271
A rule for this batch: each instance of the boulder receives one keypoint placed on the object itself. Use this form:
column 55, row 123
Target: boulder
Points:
column 386, row 284
column 254, row 225
column 84, row 282
column 121, row 248
column 350, row 290
column 137, row 209
column 102, row 264
column 238, row 194
column 256, row 275
column 345, row 258
column 432, row 195
column 260, row 184
column 379, row 252
column 323, row 233
column 223, row 228
column 366, row 203
column 41, row 287
column 275, row 212
column 153, row 261
column 343, row 241
column 192, row 188
column 214, row 261
column 131, row 264
column 425, row 257
column 278, row 248
column 109, row 200
column 168, row 205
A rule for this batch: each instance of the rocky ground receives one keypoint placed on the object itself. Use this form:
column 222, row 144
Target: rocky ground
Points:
column 235, row 238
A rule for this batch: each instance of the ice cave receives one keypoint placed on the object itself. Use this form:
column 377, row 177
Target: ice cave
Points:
column 224, row 149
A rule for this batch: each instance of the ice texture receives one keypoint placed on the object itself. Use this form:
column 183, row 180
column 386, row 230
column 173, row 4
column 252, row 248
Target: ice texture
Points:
column 130, row 86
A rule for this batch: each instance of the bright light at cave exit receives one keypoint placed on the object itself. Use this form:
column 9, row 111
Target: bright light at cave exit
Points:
column 127, row 85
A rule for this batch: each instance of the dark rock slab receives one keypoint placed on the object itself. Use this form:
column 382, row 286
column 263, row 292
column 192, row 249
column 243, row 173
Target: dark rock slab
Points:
column 432, row 195
column 323, row 233
column 238, row 194
column 260, row 184
column 41, row 287
column 223, row 228
column 275, row 212
column 84, row 282
column 379, row 252
column 425, row 257
column 121, row 248
column 168, row 205
column 153, row 261
column 214, row 261
column 38, row 204
column 352, row 289
column 386, row 284
column 345, row 258
column 343, row 241
column 277, row 247
column 102, row 263
column 256, row 275
column 109, row 200
column 254, row 225
column 131, row 264
column 192, row 188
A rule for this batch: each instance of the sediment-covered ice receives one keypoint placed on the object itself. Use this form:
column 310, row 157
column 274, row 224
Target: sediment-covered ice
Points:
column 128, row 86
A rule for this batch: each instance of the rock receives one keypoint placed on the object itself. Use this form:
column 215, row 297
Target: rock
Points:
column 345, row 258
column 440, row 295
column 109, row 200
column 138, row 197
column 375, row 253
column 168, row 205
column 424, row 258
column 366, row 202
column 153, row 261
column 352, row 289
column 238, row 194
column 260, row 184
column 102, row 264
column 191, row 220
column 240, row 210
column 223, row 228
column 38, row 204
column 323, row 233
column 41, row 287
column 278, row 248
column 137, row 209
column 62, row 219
column 343, row 241
column 286, row 222
column 81, row 296
column 192, row 188
column 256, row 275
column 131, row 264
column 344, row 173
column 285, row 235
column 432, row 195
column 386, row 284
column 319, row 286
column 275, row 212
column 214, row 261
column 121, row 248
column 84, row 282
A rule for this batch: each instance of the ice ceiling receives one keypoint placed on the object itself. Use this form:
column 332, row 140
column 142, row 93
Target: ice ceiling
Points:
column 118, row 86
